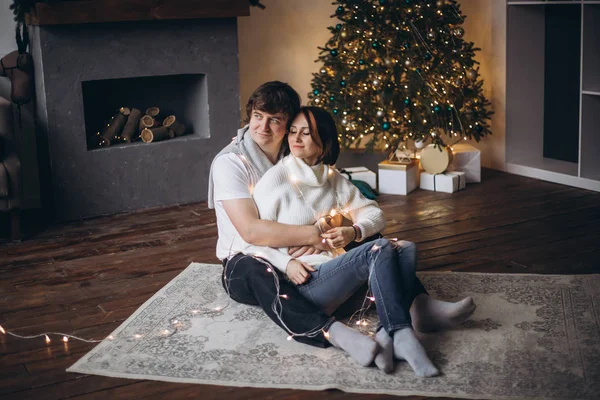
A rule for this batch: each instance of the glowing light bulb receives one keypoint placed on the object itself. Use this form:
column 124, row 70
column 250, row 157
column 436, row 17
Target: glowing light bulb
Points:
column 289, row 337
column 326, row 334
column 47, row 338
column 137, row 336
column 65, row 339
column 2, row 330
column 371, row 298
column 110, row 337
column 358, row 322
column 269, row 270
column 285, row 296
column 218, row 308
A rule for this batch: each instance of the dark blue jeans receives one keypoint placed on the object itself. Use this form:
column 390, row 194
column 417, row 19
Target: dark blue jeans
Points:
column 388, row 267
column 250, row 283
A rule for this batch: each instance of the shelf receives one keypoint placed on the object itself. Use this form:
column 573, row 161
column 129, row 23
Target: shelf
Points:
column 94, row 11
column 590, row 137
column 541, row 2
column 551, row 176
column 591, row 49
column 547, row 164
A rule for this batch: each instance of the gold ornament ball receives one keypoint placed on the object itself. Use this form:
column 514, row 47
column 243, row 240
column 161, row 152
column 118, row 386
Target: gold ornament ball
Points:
column 471, row 74
column 344, row 34
column 439, row 3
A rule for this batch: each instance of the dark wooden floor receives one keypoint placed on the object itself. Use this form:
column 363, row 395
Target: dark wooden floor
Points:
column 86, row 277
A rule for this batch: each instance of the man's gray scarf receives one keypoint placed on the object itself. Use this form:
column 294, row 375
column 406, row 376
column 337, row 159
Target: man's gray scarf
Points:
column 242, row 145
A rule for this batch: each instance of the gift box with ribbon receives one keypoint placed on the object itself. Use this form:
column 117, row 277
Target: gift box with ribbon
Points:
column 397, row 178
column 446, row 183
column 361, row 174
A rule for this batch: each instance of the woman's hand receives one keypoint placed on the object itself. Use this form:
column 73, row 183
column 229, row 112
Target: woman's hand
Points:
column 298, row 272
column 340, row 237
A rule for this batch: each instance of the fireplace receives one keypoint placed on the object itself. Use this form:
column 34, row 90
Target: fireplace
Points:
column 183, row 96
column 84, row 72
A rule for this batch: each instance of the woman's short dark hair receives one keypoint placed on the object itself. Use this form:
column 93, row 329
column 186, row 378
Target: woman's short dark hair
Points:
column 274, row 97
column 323, row 132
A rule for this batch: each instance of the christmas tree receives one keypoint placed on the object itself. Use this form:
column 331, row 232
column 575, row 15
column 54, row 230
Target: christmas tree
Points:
column 399, row 70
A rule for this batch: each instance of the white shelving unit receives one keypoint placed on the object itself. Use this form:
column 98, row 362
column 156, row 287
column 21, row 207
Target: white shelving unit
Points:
column 553, row 91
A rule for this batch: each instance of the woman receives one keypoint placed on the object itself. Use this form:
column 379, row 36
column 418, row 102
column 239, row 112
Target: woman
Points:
column 302, row 189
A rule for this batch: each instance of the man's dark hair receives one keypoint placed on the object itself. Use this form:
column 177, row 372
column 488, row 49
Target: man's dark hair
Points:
column 323, row 132
column 274, row 97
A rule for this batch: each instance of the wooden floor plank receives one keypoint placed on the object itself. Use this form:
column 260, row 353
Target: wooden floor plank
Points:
column 86, row 277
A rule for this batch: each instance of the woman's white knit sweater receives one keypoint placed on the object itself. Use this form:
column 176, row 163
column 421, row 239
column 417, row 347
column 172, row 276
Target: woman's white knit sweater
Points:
column 294, row 193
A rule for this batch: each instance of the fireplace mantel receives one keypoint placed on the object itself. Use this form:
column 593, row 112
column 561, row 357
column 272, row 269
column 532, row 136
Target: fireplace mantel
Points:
column 94, row 11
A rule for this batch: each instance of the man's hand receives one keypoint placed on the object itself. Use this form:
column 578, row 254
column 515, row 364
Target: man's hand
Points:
column 299, row 251
column 298, row 272
column 340, row 237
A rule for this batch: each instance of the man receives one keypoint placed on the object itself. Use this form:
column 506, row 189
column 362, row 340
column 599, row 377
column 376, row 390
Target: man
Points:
column 234, row 172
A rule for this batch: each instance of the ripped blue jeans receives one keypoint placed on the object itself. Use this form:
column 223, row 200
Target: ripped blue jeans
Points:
column 388, row 267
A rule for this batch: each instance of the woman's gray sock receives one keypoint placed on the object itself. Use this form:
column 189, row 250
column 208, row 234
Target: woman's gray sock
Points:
column 430, row 315
column 360, row 347
column 385, row 356
column 407, row 347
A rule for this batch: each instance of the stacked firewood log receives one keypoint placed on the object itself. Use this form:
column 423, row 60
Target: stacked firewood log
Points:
column 129, row 125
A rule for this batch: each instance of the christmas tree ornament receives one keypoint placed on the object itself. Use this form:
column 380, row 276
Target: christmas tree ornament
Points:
column 385, row 126
column 458, row 32
column 435, row 159
column 387, row 61
column 343, row 83
column 334, row 53
column 339, row 10
column 323, row 71
column 471, row 74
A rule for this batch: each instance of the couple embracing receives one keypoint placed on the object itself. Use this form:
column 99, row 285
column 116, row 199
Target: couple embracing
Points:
column 278, row 204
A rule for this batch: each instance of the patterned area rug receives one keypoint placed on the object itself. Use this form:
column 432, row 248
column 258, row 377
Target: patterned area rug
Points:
column 532, row 336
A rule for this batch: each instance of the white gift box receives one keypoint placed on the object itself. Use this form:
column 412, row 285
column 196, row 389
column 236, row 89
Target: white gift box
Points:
column 446, row 183
column 397, row 178
column 361, row 174
column 468, row 160
column 462, row 178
